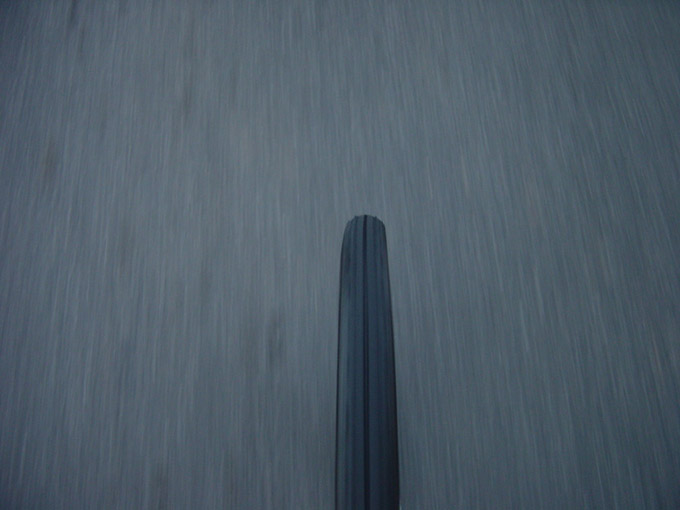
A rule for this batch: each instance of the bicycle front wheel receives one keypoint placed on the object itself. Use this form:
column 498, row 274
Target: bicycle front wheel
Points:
column 367, row 461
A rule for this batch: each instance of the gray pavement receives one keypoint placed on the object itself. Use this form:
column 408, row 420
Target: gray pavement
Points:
column 175, row 178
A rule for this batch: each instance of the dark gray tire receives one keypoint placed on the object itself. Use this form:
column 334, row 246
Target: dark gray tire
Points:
column 367, row 460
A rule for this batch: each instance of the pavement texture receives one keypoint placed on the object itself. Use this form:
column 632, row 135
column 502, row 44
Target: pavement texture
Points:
column 175, row 179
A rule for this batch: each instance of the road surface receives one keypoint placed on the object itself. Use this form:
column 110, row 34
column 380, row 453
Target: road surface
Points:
column 175, row 178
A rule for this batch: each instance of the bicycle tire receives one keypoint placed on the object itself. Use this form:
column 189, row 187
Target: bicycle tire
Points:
column 367, row 459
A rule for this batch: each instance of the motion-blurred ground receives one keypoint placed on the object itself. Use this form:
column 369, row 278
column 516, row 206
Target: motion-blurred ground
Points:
column 175, row 177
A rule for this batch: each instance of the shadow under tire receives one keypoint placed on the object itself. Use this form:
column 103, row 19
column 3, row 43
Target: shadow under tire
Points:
column 367, row 460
